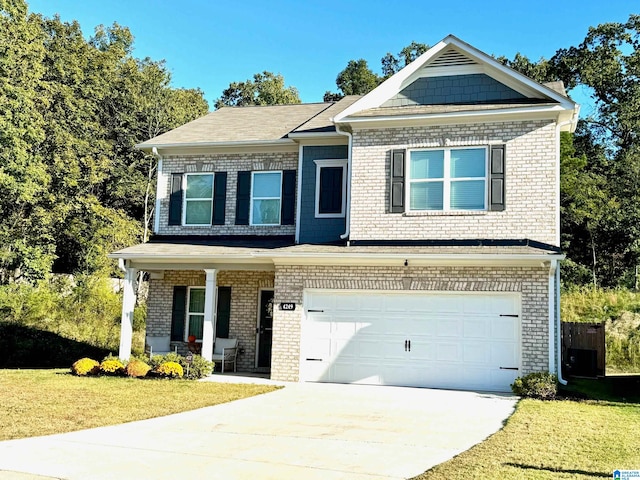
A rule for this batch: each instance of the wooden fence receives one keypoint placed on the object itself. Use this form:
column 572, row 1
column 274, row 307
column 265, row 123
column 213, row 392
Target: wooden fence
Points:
column 583, row 349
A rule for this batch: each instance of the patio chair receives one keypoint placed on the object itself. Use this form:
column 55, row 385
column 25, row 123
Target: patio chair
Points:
column 225, row 350
column 158, row 345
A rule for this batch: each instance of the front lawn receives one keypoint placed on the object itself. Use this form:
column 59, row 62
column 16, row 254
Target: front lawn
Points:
column 551, row 440
column 43, row 402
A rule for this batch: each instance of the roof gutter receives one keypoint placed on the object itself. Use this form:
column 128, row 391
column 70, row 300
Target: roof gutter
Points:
column 347, row 219
column 242, row 143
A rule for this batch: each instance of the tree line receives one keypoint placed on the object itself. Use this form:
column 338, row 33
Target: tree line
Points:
column 71, row 110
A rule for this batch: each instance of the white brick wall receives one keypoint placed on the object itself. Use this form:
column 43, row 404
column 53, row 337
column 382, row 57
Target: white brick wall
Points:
column 232, row 164
column 530, row 184
column 245, row 286
column 290, row 281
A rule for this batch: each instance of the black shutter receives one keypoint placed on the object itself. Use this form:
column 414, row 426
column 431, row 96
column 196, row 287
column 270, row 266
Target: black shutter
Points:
column 219, row 197
column 288, row 206
column 178, row 312
column 396, row 187
column 243, row 198
column 496, row 178
column 175, row 200
column 223, row 313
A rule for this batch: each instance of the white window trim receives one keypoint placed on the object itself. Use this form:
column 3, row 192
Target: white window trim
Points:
column 333, row 162
column 446, row 188
column 188, row 312
column 185, row 201
column 252, row 198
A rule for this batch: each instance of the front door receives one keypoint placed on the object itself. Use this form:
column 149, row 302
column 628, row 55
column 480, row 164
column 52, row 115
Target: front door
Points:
column 265, row 329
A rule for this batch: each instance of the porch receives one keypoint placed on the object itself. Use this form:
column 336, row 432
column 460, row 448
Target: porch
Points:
column 228, row 294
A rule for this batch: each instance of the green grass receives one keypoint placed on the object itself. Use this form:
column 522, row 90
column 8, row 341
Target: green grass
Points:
column 553, row 440
column 619, row 309
column 43, row 402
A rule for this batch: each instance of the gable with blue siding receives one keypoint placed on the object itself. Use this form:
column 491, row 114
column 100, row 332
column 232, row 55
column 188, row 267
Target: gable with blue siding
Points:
column 454, row 89
column 312, row 229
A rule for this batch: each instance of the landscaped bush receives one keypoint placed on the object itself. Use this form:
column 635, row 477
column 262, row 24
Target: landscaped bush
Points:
column 541, row 385
column 199, row 367
column 85, row 366
column 111, row 366
column 169, row 370
column 137, row 368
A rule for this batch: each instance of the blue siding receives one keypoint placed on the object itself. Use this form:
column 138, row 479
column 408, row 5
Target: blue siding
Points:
column 317, row 230
column 451, row 89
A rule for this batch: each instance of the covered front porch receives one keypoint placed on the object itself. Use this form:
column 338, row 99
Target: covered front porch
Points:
column 198, row 294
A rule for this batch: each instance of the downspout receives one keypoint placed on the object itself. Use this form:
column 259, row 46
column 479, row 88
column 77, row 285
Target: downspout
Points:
column 347, row 219
column 156, row 216
column 553, row 266
column 557, row 320
column 559, row 328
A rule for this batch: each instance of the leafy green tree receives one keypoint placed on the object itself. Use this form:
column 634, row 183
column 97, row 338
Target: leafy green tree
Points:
column 392, row 64
column 26, row 249
column 266, row 88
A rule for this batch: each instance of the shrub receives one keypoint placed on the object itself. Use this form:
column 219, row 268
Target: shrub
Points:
column 85, row 366
column 199, row 368
column 541, row 385
column 137, row 368
column 158, row 360
column 170, row 370
column 111, row 366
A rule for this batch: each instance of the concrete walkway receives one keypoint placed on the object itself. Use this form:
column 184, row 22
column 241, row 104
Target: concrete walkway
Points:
column 303, row 431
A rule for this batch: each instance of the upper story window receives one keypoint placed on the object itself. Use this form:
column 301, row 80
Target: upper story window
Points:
column 198, row 201
column 448, row 179
column 331, row 186
column 266, row 198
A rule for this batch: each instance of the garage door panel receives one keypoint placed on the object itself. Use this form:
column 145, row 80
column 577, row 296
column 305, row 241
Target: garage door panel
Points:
column 476, row 353
column 504, row 328
column 449, row 326
column 456, row 340
column 504, row 354
column 479, row 328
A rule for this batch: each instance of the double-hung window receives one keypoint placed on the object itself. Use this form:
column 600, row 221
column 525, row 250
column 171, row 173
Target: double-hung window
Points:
column 331, row 186
column 266, row 198
column 195, row 313
column 198, row 201
column 448, row 179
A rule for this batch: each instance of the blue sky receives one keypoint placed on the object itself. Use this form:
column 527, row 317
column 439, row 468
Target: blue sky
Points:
column 208, row 44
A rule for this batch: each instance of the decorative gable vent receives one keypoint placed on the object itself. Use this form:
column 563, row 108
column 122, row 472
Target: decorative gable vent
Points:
column 451, row 58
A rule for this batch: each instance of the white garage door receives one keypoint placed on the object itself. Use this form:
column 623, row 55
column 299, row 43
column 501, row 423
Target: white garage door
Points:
column 461, row 341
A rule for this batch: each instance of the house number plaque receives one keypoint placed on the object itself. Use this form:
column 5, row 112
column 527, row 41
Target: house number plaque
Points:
column 289, row 306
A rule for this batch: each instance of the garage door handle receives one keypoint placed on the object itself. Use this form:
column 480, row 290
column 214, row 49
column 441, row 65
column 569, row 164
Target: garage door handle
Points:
column 507, row 315
column 315, row 311
column 314, row 359
column 409, row 345
column 509, row 368
column 406, row 345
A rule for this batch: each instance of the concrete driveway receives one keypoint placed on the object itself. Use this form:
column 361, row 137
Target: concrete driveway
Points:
column 304, row 431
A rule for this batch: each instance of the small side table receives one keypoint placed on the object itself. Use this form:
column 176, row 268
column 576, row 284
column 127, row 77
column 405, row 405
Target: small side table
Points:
column 195, row 347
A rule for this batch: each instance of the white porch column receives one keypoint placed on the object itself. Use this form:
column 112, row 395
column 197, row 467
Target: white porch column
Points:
column 128, row 304
column 210, row 301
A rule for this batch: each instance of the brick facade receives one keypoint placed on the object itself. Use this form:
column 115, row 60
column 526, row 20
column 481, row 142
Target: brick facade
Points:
column 531, row 283
column 232, row 164
column 531, row 184
column 245, row 286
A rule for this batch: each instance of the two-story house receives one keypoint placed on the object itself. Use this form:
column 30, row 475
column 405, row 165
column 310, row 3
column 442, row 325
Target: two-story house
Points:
column 406, row 237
